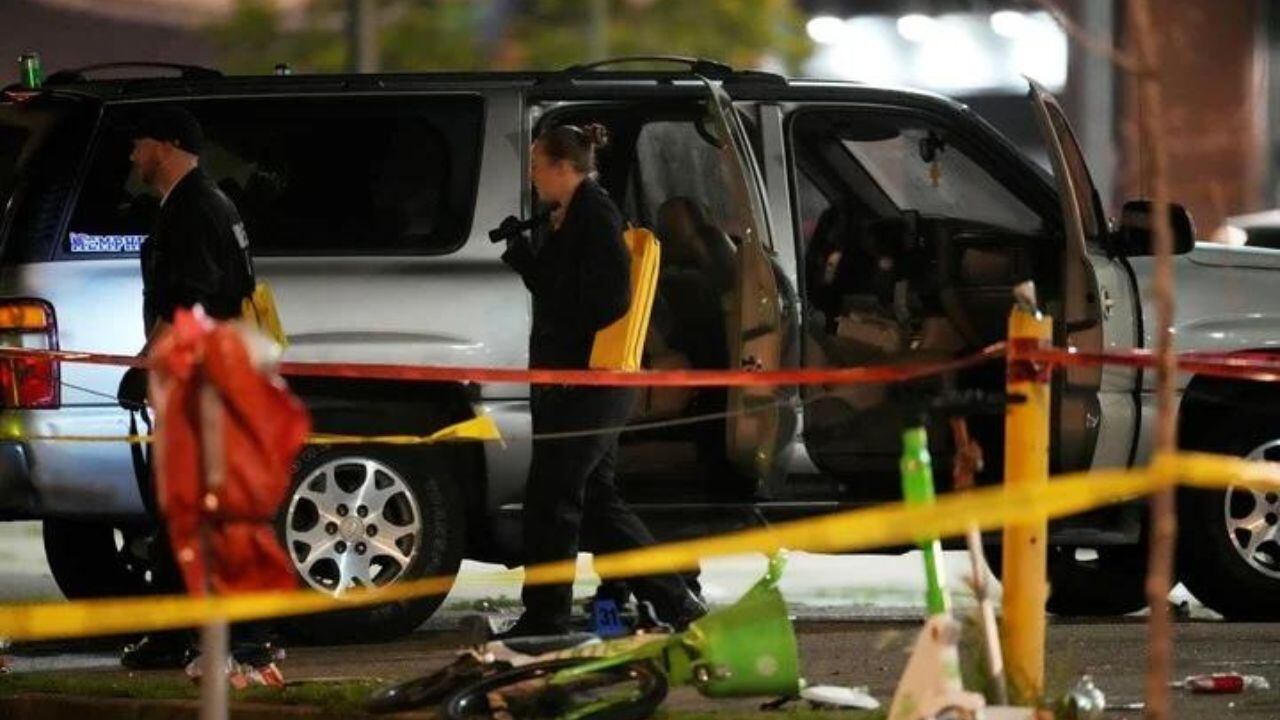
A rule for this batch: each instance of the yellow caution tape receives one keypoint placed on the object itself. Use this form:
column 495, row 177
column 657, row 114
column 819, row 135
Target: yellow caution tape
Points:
column 881, row 526
column 131, row 439
column 1204, row 470
column 479, row 428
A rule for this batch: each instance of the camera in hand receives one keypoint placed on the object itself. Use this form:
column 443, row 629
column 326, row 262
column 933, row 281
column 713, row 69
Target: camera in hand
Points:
column 512, row 226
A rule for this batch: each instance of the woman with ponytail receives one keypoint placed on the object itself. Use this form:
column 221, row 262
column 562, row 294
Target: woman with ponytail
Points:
column 579, row 276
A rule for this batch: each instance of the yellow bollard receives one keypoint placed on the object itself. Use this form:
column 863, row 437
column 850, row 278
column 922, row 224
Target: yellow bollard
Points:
column 1026, row 463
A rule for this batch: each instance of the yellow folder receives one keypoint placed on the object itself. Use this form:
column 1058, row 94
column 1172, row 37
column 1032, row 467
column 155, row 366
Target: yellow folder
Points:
column 619, row 346
column 259, row 309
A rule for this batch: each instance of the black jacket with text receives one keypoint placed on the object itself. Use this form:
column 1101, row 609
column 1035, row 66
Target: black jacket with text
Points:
column 198, row 253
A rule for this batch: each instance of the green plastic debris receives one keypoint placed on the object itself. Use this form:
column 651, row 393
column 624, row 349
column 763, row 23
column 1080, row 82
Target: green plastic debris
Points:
column 916, row 467
column 748, row 648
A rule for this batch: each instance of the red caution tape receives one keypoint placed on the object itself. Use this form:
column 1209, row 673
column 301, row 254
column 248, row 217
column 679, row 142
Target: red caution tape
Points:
column 85, row 358
column 1262, row 367
column 1024, row 368
column 1249, row 365
column 647, row 378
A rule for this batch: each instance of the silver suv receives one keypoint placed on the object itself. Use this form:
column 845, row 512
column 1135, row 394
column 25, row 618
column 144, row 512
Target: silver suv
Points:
column 805, row 224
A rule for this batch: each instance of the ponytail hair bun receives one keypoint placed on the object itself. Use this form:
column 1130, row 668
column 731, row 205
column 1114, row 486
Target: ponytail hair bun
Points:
column 574, row 145
column 596, row 134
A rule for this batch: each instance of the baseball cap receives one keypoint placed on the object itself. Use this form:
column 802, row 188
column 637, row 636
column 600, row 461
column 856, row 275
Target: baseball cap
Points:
column 169, row 124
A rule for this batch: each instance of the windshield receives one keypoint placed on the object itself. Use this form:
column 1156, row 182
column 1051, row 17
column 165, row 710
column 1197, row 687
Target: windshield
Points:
column 919, row 169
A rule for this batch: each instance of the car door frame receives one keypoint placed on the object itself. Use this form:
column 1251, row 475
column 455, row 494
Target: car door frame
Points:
column 1106, row 434
column 984, row 145
column 763, row 468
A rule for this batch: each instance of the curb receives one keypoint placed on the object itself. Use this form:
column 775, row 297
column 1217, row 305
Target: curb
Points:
column 67, row 707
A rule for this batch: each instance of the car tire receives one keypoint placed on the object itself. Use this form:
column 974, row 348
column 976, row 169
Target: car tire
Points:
column 91, row 558
column 1111, row 582
column 1230, row 567
column 411, row 528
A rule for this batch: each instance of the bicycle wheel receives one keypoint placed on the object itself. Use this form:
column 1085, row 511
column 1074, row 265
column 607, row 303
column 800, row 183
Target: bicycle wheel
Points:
column 429, row 689
column 625, row 692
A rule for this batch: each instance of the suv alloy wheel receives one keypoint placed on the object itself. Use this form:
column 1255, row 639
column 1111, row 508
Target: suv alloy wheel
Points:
column 370, row 516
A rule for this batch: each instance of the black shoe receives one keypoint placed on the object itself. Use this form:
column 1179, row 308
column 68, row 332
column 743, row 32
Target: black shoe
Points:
column 688, row 609
column 478, row 629
column 165, row 651
column 256, row 654
column 616, row 590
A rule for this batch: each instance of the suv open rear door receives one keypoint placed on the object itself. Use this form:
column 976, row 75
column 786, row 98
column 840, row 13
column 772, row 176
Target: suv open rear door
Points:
column 757, row 418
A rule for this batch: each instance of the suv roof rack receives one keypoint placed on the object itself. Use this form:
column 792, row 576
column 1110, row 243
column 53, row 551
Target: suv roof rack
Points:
column 17, row 92
column 698, row 66
column 703, row 67
column 187, row 72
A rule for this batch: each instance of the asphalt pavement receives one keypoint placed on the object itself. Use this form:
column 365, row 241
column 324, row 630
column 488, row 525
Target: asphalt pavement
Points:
column 857, row 618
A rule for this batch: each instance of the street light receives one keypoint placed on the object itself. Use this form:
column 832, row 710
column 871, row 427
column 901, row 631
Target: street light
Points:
column 917, row 27
column 826, row 30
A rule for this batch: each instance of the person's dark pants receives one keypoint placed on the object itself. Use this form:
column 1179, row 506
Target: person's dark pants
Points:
column 571, row 500
column 166, row 579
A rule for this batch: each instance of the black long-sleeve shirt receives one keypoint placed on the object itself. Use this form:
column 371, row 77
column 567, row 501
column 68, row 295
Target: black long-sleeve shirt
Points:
column 579, row 277
column 197, row 253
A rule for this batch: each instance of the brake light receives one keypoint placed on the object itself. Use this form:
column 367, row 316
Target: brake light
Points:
column 29, row 382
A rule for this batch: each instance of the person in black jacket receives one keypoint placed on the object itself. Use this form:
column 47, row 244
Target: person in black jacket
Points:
column 197, row 254
column 198, row 251
column 579, row 276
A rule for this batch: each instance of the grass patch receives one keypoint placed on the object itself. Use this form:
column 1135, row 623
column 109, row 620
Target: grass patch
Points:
column 337, row 697
column 98, row 685
column 345, row 697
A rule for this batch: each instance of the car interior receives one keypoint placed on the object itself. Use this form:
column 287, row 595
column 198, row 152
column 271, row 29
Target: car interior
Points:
column 910, row 252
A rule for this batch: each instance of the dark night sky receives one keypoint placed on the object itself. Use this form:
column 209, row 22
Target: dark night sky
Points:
column 65, row 38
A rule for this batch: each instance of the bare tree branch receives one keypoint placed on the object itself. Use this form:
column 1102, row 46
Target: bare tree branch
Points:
column 1122, row 59
column 1163, row 515
column 1142, row 63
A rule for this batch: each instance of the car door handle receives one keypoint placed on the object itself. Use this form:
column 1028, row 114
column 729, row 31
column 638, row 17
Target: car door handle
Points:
column 1108, row 302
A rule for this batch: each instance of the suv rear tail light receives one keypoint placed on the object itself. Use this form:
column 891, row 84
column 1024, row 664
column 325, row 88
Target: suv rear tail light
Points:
column 29, row 382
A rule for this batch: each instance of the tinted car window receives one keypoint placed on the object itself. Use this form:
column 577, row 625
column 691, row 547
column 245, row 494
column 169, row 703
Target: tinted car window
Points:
column 12, row 140
column 675, row 160
column 42, row 146
column 315, row 176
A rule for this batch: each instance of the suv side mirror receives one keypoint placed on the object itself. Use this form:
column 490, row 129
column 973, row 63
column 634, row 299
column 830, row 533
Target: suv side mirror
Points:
column 1136, row 234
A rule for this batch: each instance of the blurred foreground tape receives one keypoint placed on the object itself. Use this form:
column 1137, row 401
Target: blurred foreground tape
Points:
column 478, row 429
column 887, row 525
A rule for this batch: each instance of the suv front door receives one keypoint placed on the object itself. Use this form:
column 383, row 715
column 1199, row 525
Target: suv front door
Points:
column 911, row 232
column 1096, row 414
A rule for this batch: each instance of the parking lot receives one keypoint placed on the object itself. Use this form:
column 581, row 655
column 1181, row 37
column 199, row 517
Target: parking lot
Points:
column 855, row 630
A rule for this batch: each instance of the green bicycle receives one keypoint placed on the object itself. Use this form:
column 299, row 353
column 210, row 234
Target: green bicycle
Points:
column 746, row 649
